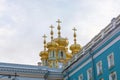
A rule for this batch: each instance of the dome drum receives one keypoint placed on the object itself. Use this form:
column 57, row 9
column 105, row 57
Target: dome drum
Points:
column 52, row 48
column 44, row 58
column 51, row 59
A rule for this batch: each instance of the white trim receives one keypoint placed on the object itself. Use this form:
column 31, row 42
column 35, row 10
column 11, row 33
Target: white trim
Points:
column 96, row 55
column 106, row 47
column 81, row 66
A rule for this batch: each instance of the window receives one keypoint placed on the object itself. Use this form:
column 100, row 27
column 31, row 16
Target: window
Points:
column 110, row 60
column 61, row 54
column 52, row 54
column 113, row 76
column 99, row 68
column 89, row 74
column 101, row 79
column 81, row 77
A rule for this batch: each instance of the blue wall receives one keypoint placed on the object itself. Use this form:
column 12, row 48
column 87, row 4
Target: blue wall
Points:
column 115, row 48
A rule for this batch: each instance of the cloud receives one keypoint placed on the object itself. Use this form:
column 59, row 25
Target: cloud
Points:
column 91, row 16
column 6, row 32
column 2, row 7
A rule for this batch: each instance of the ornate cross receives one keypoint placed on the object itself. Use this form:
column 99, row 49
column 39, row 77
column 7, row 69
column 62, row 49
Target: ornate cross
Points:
column 74, row 29
column 51, row 32
column 51, row 27
column 58, row 21
column 44, row 36
column 44, row 42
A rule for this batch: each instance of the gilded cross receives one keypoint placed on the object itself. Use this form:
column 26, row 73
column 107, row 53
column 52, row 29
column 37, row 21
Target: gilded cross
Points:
column 58, row 21
column 51, row 27
column 74, row 29
column 51, row 32
column 44, row 42
column 44, row 36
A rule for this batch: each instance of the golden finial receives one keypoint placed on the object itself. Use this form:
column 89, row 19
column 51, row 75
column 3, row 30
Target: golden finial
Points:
column 45, row 42
column 58, row 27
column 74, row 29
column 51, row 32
column 75, row 48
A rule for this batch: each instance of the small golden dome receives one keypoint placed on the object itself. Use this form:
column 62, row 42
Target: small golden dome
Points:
column 75, row 48
column 61, row 41
column 52, row 44
column 43, row 54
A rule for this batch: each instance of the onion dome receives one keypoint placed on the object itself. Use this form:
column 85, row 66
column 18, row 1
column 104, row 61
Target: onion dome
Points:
column 75, row 48
column 61, row 41
column 44, row 54
column 52, row 44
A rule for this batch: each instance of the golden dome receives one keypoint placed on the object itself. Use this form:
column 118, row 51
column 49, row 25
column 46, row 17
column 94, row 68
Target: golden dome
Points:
column 52, row 44
column 75, row 48
column 43, row 54
column 61, row 41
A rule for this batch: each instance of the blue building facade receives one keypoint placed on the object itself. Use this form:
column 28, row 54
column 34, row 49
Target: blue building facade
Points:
column 99, row 59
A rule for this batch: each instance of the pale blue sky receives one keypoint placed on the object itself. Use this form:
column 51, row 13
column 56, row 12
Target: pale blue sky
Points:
column 23, row 23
